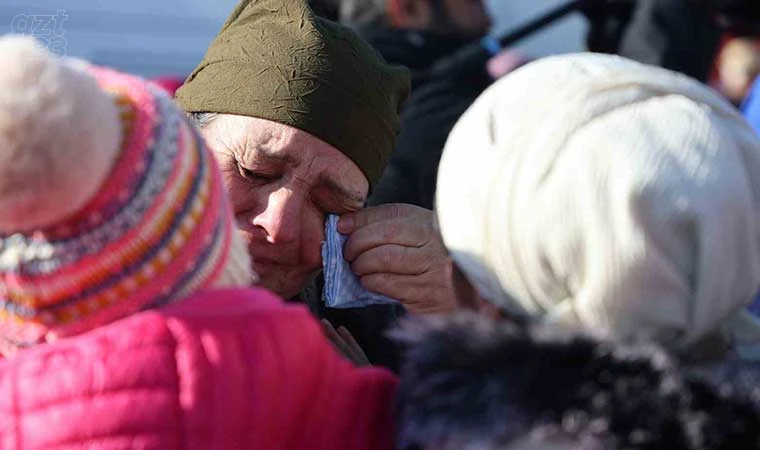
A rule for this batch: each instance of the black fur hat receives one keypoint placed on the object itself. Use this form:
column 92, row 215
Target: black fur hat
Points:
column 470, row 383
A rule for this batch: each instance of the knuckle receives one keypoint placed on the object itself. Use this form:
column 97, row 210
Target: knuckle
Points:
column 390, row 229
column 423, row 264
column 358, row 268
column 399, row 210
column 374, row 282
column 351, row 248
column 394, row 210
column 385, row 257
column 348, row 252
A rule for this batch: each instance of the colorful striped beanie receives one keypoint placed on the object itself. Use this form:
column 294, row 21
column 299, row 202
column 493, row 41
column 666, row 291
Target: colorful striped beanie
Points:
column 111, row 202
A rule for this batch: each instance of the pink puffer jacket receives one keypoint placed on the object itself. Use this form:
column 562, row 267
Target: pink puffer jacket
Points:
column 226, row 369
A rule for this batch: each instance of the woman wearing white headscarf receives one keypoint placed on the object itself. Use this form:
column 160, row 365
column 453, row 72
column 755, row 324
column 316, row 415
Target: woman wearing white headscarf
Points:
column 622, row 199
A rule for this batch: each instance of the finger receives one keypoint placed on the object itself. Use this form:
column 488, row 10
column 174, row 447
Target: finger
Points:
column 335, row 339
column 399, row 287
column 329, row 330
column 348, row 337
column 351, row 221
column 395, row 259
column 352, row 351
column 359, row 357
column 418, row 294
column 407, row 233
column 327, row 326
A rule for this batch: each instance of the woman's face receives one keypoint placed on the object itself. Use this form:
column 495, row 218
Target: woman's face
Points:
column 282, row 183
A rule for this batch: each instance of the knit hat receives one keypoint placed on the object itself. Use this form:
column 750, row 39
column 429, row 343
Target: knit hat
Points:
column 599, row 192
column 111, row 202
column 275, row 60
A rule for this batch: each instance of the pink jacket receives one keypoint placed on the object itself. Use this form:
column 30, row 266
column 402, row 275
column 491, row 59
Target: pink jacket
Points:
column 225, row 369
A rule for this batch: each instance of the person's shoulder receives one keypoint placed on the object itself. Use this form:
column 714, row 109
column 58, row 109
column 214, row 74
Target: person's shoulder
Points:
column 247, row 311
column 226, row 301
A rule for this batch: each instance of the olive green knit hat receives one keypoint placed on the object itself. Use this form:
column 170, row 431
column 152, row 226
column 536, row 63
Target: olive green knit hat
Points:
column 276, row 60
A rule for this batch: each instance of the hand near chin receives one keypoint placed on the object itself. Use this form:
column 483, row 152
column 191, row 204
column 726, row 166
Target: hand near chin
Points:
column 396, row 251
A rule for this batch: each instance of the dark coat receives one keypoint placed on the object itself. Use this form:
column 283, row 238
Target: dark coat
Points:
column 674, row 34
column 436, row 103
column 367, row 325
column 680, row 35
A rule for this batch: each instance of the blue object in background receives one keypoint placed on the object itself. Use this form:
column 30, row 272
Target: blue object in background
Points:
column 751, row 110
column 751, row 106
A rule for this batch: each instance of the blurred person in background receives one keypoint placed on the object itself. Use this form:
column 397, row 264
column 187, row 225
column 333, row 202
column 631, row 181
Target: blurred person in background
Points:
column 329, row 9
column 737, row 67
column 680, row 35
column 417, row 34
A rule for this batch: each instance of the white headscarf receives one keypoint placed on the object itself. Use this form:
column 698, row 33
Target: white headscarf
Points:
column 602, row 193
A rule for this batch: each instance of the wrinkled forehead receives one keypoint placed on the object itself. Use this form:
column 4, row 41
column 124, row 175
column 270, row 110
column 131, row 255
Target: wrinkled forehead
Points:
column 259, row 142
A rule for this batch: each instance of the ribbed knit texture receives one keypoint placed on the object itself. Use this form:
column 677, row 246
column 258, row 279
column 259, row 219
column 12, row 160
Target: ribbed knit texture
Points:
column 599, row 192
column 158, row 229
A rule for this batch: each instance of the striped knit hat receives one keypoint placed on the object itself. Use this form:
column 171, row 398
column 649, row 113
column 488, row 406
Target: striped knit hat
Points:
column 111, row 202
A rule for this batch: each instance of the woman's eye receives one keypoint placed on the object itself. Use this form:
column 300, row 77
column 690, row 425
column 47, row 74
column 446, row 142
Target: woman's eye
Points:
column 330, row 202
column 252, row 175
